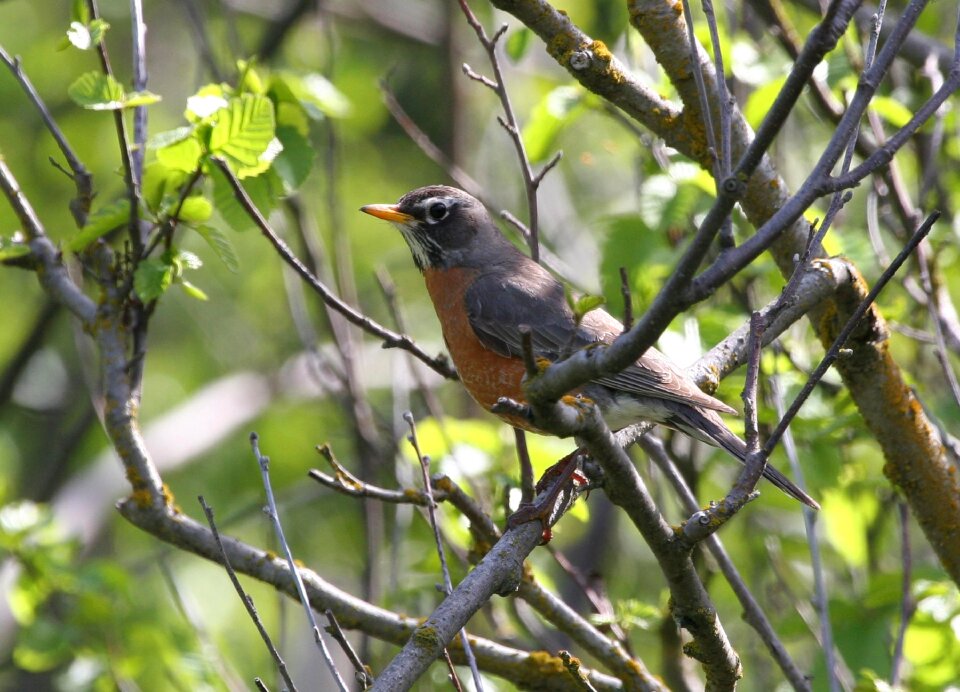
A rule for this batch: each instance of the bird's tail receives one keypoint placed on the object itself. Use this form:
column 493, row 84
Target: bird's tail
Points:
column 708, row 427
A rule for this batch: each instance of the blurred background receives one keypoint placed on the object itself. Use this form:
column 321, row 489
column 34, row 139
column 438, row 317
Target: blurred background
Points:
column 92, row 603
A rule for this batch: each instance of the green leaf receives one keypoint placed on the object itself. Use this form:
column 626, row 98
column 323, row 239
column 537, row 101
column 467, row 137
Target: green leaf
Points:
column 557, row 109
column 243, row 133
column 10, row 249
column 86, row 36
column 314, row 92
column 295, row 162
column 192, row 290
column 160, row 185
column 517, row 43
column 97, row 92
column 221, row 245
column 170, row 137
column 181, row 155
column 151, row 279
column 264, row 191
column 140, row 98
column 196, row 209
column 187, row 260
column 586, row 303
column 205, row 103
column 101, row 222
column 891, row 110
column 759, row 102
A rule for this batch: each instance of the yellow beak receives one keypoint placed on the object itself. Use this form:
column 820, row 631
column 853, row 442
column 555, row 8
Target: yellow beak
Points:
column 387, row 212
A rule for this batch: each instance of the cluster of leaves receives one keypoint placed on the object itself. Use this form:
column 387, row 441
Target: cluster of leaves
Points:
column 260, row 127
column 76, row 614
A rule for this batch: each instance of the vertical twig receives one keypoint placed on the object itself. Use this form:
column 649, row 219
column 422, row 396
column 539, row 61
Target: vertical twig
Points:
column 271, row 510
column 246, row 598
column 907, row 603
column 434, row 524
column 821, row 601
column 531, row 181
column 834, row 351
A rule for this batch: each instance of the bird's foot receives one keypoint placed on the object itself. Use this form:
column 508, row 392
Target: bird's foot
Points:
column 556, row 490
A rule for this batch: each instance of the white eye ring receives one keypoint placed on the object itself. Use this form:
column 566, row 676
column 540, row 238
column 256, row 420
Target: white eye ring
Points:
column 437, row 211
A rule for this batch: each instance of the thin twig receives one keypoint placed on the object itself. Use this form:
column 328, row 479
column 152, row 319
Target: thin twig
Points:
column 627, row 299
column 908, row 604
column 426, row 145
column 753, row 613
column 390, row 338
column 82, row 179
column 271, row 510
column 528, row 489
column 361, row 672
column 246, row 599
column 531, row 181
column 821, row 599
column 435, row 525
column 130, row 178
column 707, row 521
column 834, row 350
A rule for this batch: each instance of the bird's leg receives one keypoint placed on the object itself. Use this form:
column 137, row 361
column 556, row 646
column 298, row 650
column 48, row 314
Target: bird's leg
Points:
column 556, row 491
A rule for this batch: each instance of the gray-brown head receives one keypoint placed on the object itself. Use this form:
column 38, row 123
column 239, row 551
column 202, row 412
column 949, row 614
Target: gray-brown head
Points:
column 444, row 227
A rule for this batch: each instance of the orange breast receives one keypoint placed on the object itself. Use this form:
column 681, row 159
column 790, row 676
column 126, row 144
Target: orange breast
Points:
column 486, row 374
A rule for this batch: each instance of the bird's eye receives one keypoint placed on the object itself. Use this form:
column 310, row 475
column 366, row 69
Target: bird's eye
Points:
column 437, row 211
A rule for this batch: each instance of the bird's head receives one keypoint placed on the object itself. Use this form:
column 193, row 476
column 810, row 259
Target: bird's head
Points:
column 444, row 227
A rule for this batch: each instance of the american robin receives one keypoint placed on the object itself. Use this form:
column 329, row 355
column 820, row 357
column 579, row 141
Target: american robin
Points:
column 484, row 289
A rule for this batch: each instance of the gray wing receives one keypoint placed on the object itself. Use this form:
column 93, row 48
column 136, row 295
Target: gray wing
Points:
column 496, row 306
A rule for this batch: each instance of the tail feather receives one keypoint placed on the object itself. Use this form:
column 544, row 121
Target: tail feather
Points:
column 708, row 427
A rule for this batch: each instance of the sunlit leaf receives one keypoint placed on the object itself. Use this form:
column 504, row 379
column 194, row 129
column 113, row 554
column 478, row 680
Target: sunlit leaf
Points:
column 181, row 155
column 556, row 110
column 196, row 209
column 760, row 100
column 101, row 222
column 243, row 132
column 221, row 245
column 97, row 91
column 86, row 36
column 192, row 290
column 517, row 43
column 9, row 249
column 891, row 110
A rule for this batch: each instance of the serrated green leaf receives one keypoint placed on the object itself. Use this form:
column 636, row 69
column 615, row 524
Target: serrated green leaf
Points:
column 517, row 43
column 165, row 139
column 221, row 245
column 203, row 105
column 556, row 110
column 97, row 91
column 586, row 303
column 192, row 290
column 196, row 209
column 10, row 250
column 151, row 278
column 101, row 222
column 243, row 133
